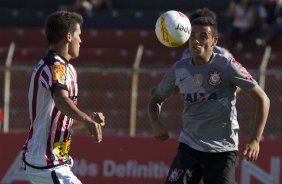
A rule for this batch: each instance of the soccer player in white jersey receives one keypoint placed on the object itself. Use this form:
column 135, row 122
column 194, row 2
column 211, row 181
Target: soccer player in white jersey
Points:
column 208, row 142
column 52, row 105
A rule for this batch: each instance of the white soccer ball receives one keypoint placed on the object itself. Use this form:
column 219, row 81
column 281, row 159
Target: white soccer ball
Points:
column 173, row 28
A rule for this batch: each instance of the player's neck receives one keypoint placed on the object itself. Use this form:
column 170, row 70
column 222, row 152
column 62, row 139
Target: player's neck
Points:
column 201, row 60
column 60, row 50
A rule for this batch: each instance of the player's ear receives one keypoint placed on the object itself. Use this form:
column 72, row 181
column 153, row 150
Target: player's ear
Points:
column 69, row 37
column 215, row 39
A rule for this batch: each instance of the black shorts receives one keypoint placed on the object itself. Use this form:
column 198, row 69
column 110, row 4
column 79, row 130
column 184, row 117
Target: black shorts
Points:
column 191, row 166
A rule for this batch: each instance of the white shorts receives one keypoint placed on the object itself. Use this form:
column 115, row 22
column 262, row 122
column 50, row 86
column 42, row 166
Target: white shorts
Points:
column 58, row 175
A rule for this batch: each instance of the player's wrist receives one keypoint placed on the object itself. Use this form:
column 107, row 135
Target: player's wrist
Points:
column 87, row 119
column 256, row 139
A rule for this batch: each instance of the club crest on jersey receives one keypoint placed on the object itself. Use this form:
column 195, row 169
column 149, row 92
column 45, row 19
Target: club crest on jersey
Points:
column 58, row 72
column 215, row 79
column 198, row 79
column 175, row 174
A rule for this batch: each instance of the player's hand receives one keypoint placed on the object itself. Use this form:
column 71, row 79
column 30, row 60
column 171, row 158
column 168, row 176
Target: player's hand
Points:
column 251, row 151
column 94, row 128
column 97, row 132
column 98, row 117
column 160, row 132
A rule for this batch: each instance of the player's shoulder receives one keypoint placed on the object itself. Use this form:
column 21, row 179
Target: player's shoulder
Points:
column 219, row 49
column 222, row 50
column 227, row 61
column 222, row 56
column 183, row 62
column 223, row 59
column 52, row 58
column 186, row 53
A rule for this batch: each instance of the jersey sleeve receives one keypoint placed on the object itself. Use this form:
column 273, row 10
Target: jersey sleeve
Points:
column 167, row 86
column 240, row 76
column 54, row 75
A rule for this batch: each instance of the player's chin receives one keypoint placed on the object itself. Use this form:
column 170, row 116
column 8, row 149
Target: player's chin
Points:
column 76, row 55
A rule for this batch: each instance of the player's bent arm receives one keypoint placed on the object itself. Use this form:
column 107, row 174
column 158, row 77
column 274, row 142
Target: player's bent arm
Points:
column 160, row 132
column 67, row 107
column 262, row 109
column 251, row 150
column 154, row 108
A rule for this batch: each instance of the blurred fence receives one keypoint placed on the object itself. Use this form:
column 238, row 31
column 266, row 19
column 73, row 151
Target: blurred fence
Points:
column 109, row 91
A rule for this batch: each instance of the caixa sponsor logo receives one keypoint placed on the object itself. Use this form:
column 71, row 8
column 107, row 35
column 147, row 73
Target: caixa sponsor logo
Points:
column 199, row 97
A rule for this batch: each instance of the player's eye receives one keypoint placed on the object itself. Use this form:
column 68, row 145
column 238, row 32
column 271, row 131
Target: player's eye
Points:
column 203, row 37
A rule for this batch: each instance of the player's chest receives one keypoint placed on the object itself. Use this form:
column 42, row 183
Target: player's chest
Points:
column 199, row 80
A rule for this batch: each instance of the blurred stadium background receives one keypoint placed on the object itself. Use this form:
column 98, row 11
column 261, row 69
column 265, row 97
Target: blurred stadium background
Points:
column 105, row 75
column 110, row 42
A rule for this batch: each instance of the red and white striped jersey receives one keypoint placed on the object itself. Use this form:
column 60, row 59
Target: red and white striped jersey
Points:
column 49, row 137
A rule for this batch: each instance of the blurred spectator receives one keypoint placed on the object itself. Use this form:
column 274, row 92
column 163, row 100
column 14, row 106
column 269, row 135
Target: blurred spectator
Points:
column 89, row 6
column 262, row 14
column 244, row 17
column 271, row 23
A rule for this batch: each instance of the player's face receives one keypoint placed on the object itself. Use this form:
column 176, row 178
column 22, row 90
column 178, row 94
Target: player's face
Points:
column 75, row 43
column 201, row 41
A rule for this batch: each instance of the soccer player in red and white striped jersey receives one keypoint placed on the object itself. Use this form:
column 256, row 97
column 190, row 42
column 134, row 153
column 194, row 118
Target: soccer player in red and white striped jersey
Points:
column 52, row 105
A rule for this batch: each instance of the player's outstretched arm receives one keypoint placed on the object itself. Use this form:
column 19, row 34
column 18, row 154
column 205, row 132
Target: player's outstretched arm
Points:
column 251, row 150
column 159, row 131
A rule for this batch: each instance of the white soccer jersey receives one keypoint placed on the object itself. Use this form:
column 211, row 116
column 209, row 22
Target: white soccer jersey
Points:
column 50, row 130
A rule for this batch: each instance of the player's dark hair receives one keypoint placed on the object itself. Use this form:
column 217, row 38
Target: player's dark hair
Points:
column 204, row 12
column 60, row 23
column 206, row 21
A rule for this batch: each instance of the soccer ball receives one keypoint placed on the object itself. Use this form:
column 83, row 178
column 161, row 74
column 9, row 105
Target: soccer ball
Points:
column 173, row 28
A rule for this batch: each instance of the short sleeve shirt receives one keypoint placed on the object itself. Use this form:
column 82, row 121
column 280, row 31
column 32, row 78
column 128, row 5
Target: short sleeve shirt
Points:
column 209, row 115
